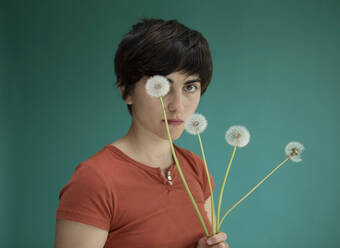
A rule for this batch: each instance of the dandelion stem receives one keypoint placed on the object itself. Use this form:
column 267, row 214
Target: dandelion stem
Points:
column 222, row 189
column 211, row 191
column 257, row 185
column 180, row 171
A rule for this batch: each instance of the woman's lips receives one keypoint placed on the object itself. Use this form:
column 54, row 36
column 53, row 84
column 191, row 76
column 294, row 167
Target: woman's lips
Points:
column 175, row 123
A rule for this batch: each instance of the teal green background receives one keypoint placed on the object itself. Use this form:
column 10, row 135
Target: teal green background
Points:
column 276, row 71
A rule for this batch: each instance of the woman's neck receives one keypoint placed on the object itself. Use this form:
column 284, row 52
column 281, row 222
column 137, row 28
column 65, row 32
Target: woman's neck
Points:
column 154, row 152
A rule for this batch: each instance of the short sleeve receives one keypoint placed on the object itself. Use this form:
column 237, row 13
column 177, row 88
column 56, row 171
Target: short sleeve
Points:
column 86, row 199
column 204, row 178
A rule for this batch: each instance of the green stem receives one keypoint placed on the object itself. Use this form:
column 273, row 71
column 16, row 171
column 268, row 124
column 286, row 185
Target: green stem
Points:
column 257, row 185
column 210, row 186
column 180, row 171
column 222, row 189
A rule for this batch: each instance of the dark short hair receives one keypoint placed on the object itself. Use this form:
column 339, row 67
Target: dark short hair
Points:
column 159, row 47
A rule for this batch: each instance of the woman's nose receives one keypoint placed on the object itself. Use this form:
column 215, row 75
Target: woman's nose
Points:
column 175, row 101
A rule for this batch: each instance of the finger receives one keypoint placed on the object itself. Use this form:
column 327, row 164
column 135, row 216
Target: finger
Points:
column 217, row 238
column 220, row 245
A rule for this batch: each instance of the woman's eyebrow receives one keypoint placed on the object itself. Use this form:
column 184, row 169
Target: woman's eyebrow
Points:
column 187, row 82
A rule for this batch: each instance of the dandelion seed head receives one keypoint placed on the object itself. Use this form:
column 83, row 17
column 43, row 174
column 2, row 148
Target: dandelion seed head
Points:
column 195, row 124
column 237, row 136
column 157, row 86
column 294, row 149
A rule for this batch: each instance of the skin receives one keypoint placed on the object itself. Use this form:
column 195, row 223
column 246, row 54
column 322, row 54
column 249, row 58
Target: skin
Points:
column 147, row 139
column 147, row 134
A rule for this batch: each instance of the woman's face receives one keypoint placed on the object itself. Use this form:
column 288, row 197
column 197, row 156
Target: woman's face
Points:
column 181, row 102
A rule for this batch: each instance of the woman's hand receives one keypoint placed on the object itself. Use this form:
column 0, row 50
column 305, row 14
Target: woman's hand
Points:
column 215, row 241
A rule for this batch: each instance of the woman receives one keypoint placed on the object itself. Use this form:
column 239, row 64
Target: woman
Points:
column 130, row 194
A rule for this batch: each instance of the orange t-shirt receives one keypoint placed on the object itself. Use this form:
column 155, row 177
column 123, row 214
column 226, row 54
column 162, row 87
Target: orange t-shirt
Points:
column 135, row 203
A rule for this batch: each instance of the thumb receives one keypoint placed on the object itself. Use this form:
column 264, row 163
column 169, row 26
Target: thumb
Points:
column 202, row 243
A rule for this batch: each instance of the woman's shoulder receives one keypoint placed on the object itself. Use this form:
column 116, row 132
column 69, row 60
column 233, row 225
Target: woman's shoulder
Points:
column 102, row 161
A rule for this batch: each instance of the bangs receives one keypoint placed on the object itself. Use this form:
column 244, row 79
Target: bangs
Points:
column 188, row 53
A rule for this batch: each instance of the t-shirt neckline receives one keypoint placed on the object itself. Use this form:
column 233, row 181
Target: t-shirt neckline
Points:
column 123, row 155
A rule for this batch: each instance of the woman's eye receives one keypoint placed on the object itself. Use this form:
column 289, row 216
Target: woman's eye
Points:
column 192, row 88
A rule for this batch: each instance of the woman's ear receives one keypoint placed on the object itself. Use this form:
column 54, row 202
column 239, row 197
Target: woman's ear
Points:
column 121, row 88
column 128, row 99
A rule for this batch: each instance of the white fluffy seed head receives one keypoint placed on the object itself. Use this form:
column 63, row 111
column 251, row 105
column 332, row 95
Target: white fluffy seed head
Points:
column 294, row 149
column 157, row 86
column 195, row 124
column 237, row 136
